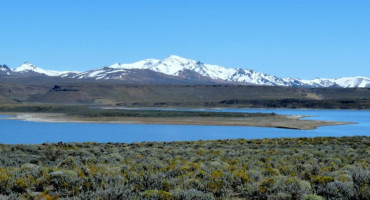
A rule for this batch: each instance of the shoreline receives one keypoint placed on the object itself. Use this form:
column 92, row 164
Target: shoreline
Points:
column 213, row 108
column 281, row 121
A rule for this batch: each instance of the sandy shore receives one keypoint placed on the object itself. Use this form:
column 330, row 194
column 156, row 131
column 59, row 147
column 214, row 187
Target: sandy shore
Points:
column 281, row 121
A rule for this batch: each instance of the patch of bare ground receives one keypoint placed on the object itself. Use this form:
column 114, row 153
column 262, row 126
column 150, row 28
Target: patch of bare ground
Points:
column 278, row 121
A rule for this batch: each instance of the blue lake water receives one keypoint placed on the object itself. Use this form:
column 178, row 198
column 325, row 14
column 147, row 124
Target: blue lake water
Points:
column 16, row 131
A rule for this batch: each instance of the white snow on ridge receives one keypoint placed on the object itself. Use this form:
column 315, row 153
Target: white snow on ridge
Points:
column 344, row 82
column 349, row 82
column 175, row 65
column 143, row 64
column 28, row 67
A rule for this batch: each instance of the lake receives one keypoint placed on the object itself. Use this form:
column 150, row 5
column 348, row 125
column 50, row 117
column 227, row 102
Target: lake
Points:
column 23, row 132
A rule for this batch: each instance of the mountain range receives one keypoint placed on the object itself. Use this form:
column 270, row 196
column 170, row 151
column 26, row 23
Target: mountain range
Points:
column 178, row 70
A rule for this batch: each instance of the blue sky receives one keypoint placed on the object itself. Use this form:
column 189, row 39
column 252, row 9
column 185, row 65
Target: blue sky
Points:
column 303, row 39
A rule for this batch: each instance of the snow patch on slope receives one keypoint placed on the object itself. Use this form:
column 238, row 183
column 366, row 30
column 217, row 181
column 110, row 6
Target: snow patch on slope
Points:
column 28, row 67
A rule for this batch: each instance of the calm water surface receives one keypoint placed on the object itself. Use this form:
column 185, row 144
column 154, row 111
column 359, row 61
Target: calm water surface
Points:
column 16, row 131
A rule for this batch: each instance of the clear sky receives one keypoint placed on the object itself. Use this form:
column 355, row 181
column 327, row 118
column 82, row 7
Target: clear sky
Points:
column 298, row 38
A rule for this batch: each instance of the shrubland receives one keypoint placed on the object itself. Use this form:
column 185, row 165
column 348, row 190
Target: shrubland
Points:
column 93, row 93
column 285, row 168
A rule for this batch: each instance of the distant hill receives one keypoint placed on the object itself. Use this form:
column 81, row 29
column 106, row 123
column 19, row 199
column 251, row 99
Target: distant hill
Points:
column 133, row 95
column 175, row 70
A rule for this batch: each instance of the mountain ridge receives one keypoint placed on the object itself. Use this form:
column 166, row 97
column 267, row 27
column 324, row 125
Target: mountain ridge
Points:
column 177, row 69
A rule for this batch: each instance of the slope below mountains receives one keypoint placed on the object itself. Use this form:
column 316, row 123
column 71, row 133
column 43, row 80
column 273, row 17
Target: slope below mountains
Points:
column 131, row 95
column 178, row 70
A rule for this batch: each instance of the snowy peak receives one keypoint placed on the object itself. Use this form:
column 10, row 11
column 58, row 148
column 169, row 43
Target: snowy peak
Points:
column 31, row 69
column 349, row 82
column 143, row 64
column 177, row 60
column 26, row 67
column 5, row 70
column 344, row 82
column 173, row 65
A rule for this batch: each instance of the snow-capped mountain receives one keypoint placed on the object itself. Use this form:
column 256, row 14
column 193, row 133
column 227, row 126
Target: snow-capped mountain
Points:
column 345, row 82
column 31, row 69
column 176, row 68
column 5, row 70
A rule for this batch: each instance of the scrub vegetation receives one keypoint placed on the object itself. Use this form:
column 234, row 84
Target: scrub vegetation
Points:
column 285, row 168
column 113, row 94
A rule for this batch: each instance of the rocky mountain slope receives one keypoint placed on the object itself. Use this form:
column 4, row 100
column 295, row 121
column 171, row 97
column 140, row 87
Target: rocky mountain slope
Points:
column 175, row 69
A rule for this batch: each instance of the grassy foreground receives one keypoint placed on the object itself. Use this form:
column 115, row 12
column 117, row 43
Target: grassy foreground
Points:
column 303, row 168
